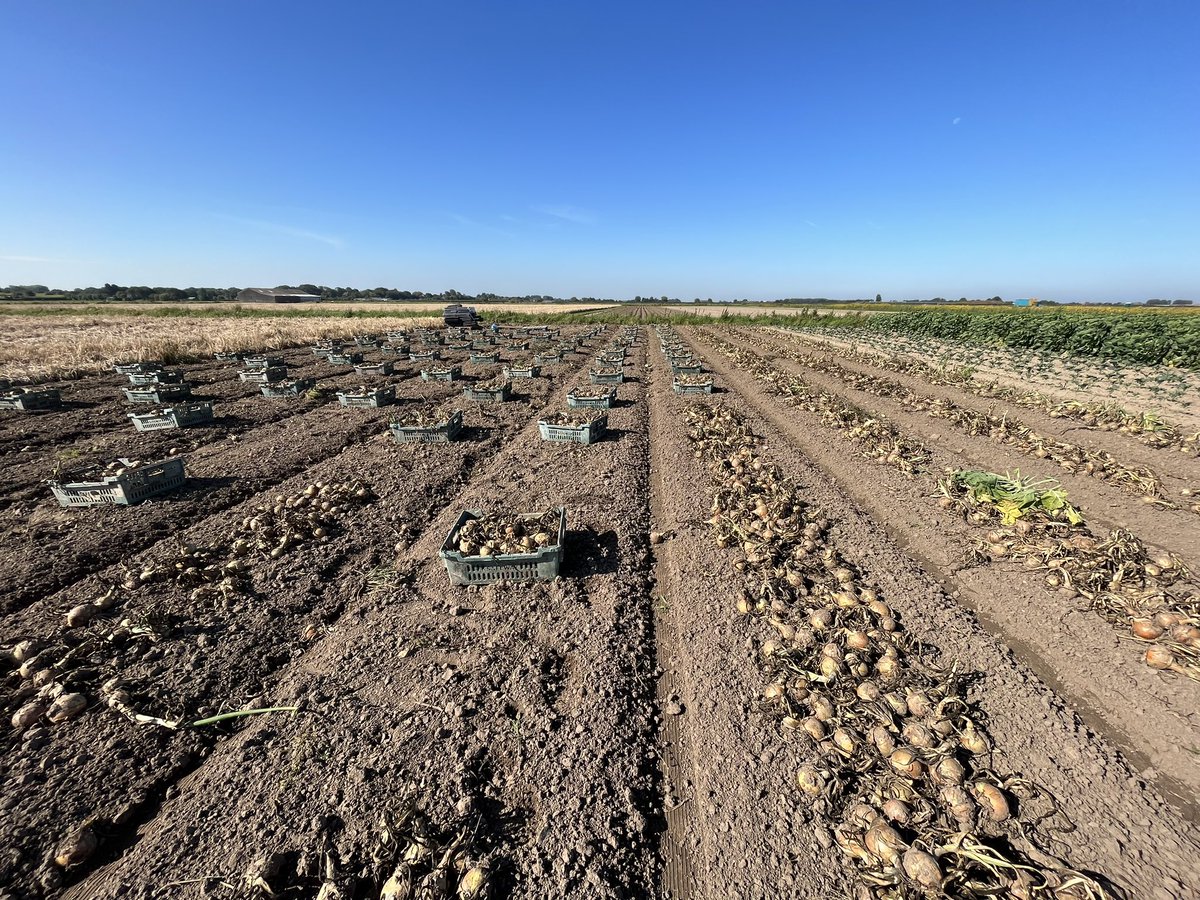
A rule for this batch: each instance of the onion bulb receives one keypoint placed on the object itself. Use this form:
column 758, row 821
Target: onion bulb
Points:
column 810, row 780
column 922, row 868
column 904, row 760
column 992, row 800
column 1146, row 629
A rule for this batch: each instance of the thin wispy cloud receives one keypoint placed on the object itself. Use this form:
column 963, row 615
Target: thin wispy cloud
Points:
column 40, row 259
column 288, row 230
column 810, row 224
column 957, row 119
column 567, row 213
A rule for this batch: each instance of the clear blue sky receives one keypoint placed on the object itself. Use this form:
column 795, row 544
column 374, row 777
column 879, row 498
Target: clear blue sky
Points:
column 719, row 150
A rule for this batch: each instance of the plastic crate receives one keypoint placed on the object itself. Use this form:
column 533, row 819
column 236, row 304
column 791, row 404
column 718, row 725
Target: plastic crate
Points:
column 435, row 434
column 293, row 388
column 229, row 356
column 402, row 350
column 137, row 368
column 522, row 372
column 263, row 376
column 427, row 354
column 345, row 358
column 162, row 376
column 399, row 335
column 604, row 402
column 181, row 416
column 488, row 395
column 705, row 388
column 451, row 374
column 580, row 434
column 366, row 340
column 384, row 396
column 125, row 489
column 459, row 345
column 379, row 368
column 258, row 363
column 606, row 378
column 158, row 393
column 544, row 359
column 518, row 345
column 540, row 566
column 688, row 368
column 29, row 399
column 485, row 358
column 326, row 349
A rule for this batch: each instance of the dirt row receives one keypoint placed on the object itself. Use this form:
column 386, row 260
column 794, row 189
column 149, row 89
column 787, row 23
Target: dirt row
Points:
column 1116, row 811
column 1149, row 715
column 206, row 659
column 1183, row 469
column 254, row 443
column 1175, row 530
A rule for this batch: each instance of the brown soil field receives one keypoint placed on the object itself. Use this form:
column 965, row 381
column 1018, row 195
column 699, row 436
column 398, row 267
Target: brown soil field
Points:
column 640, row 726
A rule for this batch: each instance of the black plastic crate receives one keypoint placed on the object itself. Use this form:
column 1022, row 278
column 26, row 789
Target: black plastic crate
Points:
column 293, row 388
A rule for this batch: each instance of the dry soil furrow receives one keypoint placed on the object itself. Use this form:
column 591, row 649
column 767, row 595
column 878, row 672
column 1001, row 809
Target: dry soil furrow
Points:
column 1127, row 447
column 1104, row 504
column 1149, row 716
column 1115, row 811
column 737, row 829
column 220, row 475
column 528, row 707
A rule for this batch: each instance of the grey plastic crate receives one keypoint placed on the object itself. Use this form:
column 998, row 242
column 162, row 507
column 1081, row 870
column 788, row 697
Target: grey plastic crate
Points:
column 604, row 402
column 345, row 358
column 543, row 565
column 687, row 368
column 459, row 345
column 137, row 368
column 518, row 345
column 123, row 490
column 159, row 393
column 29, row 399
column 435, row 434
column 258, row 363
column 366, row 340
column 606, row 377
column 181, row 416
column 293, row 388
column 263, row 376
column 546, row 359
column 384, row 396
column 325, row 349
column 161, row 376
column 453, row 373
column 580, row 434
column 488, row 395
column 483, row 343
column 705, row 388
column 229, row 356
column 399, row 350
column 609, row 358
column 485, row 358
column 417, row 355
column 522, row 371
column 398, row 335
column 379, row 368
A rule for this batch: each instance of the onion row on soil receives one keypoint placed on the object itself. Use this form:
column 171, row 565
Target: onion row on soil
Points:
column 901, row 775
column 1149, row 428
column 878, row 438
column 1138, row 480
column 1148, row 604
column 1118, row 576
column 82, row 660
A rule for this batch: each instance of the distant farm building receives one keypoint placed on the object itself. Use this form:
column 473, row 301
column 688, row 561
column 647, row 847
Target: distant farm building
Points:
column 269, row 295
column 1026, row 302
